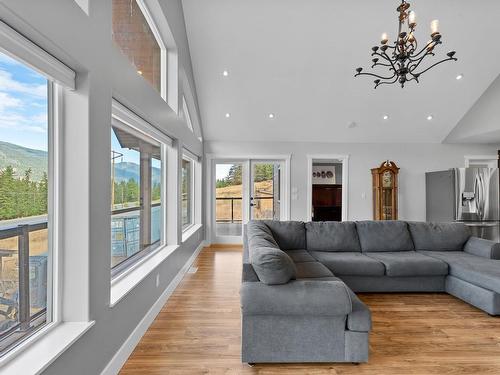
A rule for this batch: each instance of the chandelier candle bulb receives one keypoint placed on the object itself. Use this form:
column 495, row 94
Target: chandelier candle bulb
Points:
column 412, row 19
column 435, row 27
column 384, row 39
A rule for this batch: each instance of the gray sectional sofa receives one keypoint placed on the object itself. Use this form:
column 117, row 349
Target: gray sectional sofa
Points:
column 299, row 281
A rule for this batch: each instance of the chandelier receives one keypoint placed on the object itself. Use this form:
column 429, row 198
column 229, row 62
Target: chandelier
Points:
column 403, row 58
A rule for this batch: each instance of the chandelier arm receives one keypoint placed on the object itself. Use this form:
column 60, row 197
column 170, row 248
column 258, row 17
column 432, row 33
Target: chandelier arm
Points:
column 387, row 82
column 375, row 75
column 416, row 56
column 390, row 61
column 439, row 62
column 412, row 67
column 380, row 64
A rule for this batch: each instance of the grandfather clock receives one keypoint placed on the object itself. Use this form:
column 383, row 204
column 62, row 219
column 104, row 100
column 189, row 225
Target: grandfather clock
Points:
column 385, row 191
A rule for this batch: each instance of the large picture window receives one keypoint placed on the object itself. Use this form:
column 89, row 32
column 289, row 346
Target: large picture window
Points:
column 25, row 201
column 137, row 38
column 136, row 195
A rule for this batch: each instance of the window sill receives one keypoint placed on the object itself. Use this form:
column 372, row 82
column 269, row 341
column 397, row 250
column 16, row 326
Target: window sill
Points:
column 189, row 231
column 123, row 283
column 39, row 351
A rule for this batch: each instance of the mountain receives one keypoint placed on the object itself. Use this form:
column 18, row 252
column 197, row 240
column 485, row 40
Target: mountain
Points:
column 125, row 171
column 22, row 158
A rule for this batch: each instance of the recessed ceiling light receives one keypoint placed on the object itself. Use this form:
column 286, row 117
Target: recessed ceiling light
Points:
column 430, row 117
column 271, row 115
column 459, row 77
column 385, row 117
column 139, row 72
column 228, row 115
column 225, row 73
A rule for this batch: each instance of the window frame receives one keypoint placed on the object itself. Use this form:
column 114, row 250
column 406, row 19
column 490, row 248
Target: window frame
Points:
column 126, row 120
column 163, row 49
column 192, row 159
column 59, row 77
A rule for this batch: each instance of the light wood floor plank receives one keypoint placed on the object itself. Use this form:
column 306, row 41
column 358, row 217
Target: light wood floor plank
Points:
column 198, row 331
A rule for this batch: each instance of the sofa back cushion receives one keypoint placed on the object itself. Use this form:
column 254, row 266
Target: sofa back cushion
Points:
column 439, row 236
column 259, row 235
column 389, row 235
column 332, row 236
column 289, row 235
column 272, row 266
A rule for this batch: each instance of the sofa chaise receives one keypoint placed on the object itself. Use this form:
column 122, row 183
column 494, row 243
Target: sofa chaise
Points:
column 299, row 281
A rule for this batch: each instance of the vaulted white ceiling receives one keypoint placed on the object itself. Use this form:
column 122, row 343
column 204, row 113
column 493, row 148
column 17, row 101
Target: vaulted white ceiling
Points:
column 296, row 59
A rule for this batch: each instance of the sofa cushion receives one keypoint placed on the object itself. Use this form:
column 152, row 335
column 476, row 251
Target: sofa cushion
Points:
column 439, row 236
column 308, row 270
column 389, row 235
column 289, row 235
column 482, row 248
column 272, row 266
column 300, row 256
column 473, row 269
column 332, row 236
column 259, row 235
column 410, row 263
column 350, row 263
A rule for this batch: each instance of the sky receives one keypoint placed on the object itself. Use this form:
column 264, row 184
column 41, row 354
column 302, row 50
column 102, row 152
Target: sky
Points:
column 23, row 105
column 222, row 170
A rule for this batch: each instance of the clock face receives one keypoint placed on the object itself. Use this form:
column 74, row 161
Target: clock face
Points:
column 387, row 179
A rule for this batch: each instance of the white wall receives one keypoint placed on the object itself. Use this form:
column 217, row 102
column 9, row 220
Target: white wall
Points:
column 413, row 159
column 83, row 42
column 482, row 122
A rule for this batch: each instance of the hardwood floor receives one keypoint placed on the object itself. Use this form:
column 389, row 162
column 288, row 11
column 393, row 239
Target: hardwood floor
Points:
column 198, row 331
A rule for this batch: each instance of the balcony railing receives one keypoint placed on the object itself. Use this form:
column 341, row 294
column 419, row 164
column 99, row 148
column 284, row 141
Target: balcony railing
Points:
column 232, row 218
column 18, row 318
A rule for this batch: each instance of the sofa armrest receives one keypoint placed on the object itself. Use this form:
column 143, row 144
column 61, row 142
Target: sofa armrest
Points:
column 297, row 297
column 360, row 319
column 482, row 248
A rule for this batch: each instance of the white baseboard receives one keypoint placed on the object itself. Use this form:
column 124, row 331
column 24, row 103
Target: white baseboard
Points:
column 121, row 356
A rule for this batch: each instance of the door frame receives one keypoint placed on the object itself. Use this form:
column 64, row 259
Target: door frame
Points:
column 243, row 158
column 470, row 159
column 345, row 182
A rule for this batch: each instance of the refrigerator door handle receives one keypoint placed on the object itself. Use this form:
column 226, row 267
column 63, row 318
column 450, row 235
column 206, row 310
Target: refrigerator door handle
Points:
column 479, row 196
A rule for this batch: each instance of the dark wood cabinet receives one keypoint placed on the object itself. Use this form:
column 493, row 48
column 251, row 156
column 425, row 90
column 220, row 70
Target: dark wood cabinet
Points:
column 327, row 202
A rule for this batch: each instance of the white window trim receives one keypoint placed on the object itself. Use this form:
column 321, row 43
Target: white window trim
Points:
column 163, row 58
column 18, row 47
column 126, row 116
column 45, row 347
column 125, row 281
column 193, row 159
column 38, row 351
column 187, row 116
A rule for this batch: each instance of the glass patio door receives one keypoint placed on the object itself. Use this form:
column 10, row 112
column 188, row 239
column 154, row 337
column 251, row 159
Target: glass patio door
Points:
column 230, row 200
column 265, row 190
column 243, row 190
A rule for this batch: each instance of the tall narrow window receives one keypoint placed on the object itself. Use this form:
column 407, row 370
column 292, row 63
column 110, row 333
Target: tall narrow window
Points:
column 187, row 193
column 137, row 40
column 25, row 182
column 136, row 196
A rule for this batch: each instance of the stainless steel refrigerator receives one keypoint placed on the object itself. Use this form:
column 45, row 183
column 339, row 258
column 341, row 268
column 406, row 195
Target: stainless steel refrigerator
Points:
column 469, row 195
